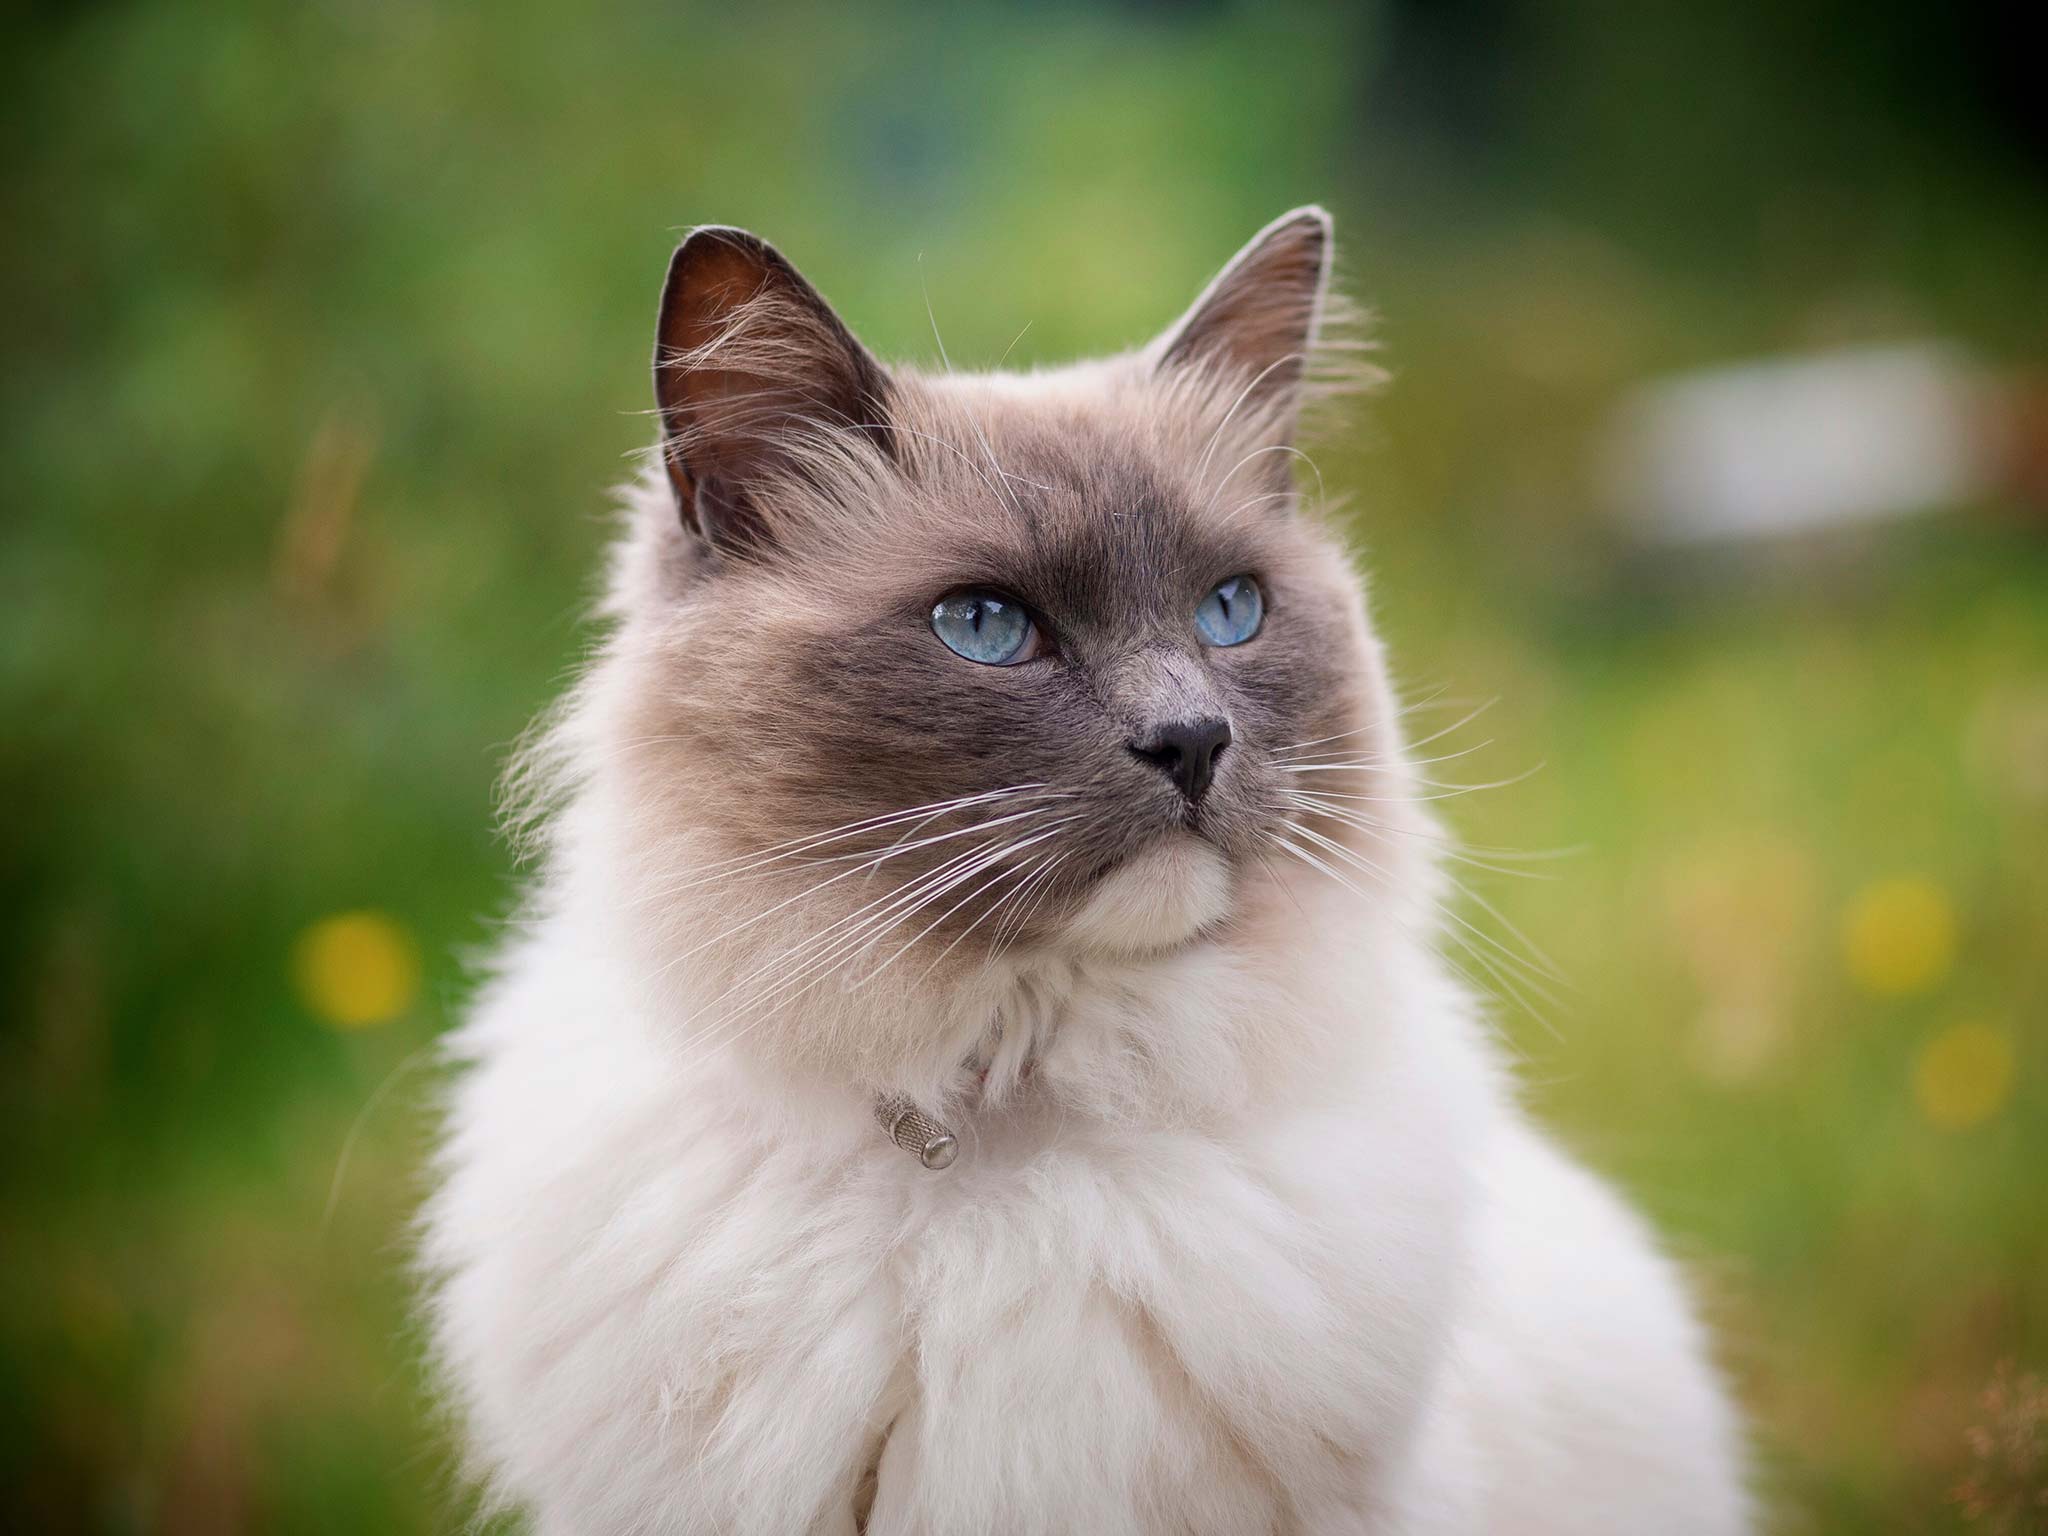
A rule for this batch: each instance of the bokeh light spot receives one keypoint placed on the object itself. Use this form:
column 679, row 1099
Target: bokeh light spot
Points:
column 1899, row 937
column 1733, row 1042
column 1964, row 1076
column 356, row 969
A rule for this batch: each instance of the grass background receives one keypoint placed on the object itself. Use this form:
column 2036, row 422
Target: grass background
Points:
column 327, row 327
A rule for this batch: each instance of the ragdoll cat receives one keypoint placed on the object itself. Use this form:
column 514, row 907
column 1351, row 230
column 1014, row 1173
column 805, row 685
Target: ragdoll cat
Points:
column 978, row 1061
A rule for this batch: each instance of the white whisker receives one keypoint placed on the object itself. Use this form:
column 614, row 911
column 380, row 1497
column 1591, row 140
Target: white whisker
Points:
column 715, row 873
column 867, row 861
column 1242, row 396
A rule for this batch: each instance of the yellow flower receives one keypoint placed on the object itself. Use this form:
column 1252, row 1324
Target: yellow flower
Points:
column 1899, row 937
column 356, row 969
column 1964, row 1076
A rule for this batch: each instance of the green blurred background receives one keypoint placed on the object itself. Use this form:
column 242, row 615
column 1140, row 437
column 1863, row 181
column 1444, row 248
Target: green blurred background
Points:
column 327, row 329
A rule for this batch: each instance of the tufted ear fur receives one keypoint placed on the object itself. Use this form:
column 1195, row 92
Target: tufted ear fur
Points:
column 1257, row 321
column 751, row 366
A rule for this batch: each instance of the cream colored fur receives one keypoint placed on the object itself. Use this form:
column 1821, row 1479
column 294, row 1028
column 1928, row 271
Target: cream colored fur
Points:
column 1248, row 1233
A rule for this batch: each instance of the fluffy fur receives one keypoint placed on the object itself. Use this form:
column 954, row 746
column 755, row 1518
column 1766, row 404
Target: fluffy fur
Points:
column 1247, row 1233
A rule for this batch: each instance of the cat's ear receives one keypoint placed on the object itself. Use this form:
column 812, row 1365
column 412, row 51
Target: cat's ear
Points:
column 752, row 369
column 1256, row 322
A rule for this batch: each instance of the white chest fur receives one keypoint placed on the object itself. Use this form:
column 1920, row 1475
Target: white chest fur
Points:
column 667, row 1313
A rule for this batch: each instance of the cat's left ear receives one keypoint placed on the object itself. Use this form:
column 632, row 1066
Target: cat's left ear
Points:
column 1257, row 321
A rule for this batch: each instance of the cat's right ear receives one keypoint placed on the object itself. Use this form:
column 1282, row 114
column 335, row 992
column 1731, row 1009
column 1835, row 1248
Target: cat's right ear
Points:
column 751, row 367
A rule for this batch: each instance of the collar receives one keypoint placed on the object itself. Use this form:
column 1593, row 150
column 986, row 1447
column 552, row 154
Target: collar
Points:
column 917, row 1132
column 924, row 1137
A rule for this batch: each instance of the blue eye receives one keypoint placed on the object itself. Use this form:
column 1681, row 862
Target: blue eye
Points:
column 1232, row 612
column 984, row 627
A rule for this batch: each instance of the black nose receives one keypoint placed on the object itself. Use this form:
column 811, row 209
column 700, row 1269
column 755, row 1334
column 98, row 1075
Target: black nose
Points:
column 1186, row 752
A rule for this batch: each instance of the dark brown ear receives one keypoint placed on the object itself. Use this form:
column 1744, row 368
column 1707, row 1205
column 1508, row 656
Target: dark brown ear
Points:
column 1257, row 320
column 750, row 364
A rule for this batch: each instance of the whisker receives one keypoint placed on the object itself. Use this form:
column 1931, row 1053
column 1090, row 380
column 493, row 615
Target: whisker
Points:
column 694, row 878
column 1012, row 346
column 822, row 963
column 1456, row 725
column 980, row 890
column 1025, row 900
column 1445, row 792
column 1296, row 748
column 1373, row 866
column 1321, row 492
column 867, row 823
column 1273, row 874
column 1382, row 760
column 1500, row 979
column 1027, row 906
column 867, row 862
column 1237, row 512
column 1407, row 760
column 1446, row 844
column 820, row 950
column 1011, row 900
column 855, row 916
column 1326, row 802
column 1432, row 700
column 1448, row 847
column 1242, row 396
column 924, row 889
column 973, row 422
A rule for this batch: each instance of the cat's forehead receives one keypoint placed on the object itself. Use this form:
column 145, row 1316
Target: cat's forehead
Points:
column 1088, row 490
column 1085, row 422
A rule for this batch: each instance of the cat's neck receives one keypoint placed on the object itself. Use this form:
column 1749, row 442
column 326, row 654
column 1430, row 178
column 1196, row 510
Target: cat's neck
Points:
column 1211, row 1030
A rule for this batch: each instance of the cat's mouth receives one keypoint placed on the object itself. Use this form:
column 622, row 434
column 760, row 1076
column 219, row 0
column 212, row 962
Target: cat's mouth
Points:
column 1155, row 897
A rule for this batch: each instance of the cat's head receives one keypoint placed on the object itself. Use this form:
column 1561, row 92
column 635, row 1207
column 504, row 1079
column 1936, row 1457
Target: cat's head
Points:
column 916, row 670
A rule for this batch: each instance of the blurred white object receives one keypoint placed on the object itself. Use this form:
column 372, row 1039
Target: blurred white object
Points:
column 1794, row 446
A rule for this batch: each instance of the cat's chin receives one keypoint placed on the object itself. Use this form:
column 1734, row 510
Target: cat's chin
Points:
column 1154, row 900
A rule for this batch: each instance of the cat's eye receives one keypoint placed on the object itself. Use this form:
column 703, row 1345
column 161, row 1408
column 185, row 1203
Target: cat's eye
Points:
column 1232, row 612
column 986, row 627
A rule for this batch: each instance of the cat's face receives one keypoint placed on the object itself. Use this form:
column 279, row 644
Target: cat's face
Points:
column 943, row 665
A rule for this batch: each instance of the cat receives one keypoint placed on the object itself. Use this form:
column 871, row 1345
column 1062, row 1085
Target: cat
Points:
column 978, row 1058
